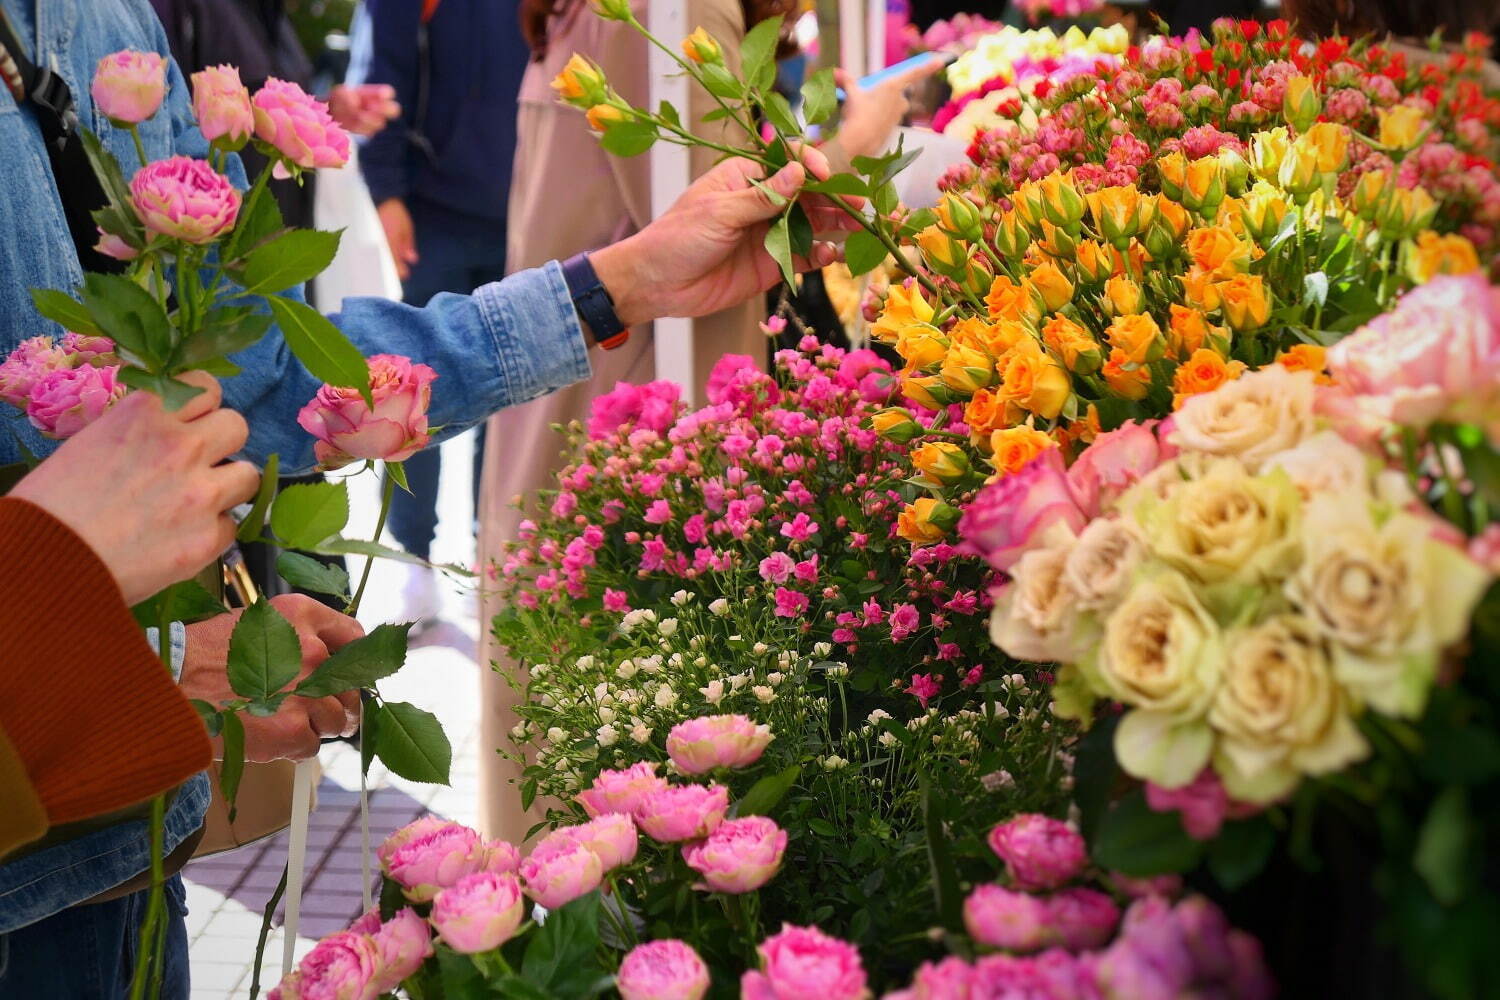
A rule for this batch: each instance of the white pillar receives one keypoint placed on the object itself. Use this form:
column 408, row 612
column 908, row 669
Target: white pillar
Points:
column 852, row 51
column 670, row 174
column 875, row 37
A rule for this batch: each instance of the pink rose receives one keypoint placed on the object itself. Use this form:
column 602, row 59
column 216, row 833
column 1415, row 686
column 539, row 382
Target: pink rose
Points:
column 803, row 963
column 1013, row 515
column 479, row 912
column 700, row 745
column 1054, row 975
column 1203, row 805
column 340, row 967
column 1084, row 919
column 652, row 406
column 111, row 245
column 411, row 831
column 741, row 855
column 1168, row 886
column 662, row 970
column 81, row 349
column 738, row 381
column 1113, row 463
column 402, row 944
column 499, row 856
column 1039, row 852
column 1002, row 918
column 65, row 401
column 949, row 979
column 222, row 106
column 621, row 791
column 395, row 430
column 34, row 358
column 433, row 859
column 129, row 86
column 611, row 836
column 1437, row 354
column 560, row 874
column 682, row 812
column 184, row 199
column 299, row 126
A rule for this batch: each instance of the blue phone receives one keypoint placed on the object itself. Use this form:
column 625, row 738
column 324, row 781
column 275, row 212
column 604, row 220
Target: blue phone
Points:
column 880, row 76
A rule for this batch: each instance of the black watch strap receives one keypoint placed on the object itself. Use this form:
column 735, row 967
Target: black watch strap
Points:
column 593, row 303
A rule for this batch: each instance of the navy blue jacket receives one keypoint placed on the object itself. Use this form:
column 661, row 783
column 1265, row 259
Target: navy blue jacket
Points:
column 477, row 59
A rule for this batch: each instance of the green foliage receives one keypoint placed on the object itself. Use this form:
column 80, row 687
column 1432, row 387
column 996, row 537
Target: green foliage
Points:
column 320, row 346
column 264, row 654
column 307, row 514
column 182, row 602
column 360, row 663
column 250, row 528
column 1136, row 840
column 292, row 258
column 307, row 573
column 412, row 744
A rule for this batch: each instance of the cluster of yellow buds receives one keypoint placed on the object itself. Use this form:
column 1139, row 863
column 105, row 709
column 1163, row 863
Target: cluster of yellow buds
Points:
column 582, row 85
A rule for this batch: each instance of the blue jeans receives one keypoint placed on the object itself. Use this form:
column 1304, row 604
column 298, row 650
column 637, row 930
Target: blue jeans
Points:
column 88, row 952
column 457, row 253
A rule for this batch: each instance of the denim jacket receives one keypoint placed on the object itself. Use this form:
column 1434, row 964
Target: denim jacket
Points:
column 507, row 343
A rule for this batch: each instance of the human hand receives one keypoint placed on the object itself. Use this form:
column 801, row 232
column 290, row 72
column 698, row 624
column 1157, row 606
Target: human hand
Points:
column 363, row 109
column 399, row 234
column 145, row 488
column 300, row 724
column 870, row 116
column 707, row 251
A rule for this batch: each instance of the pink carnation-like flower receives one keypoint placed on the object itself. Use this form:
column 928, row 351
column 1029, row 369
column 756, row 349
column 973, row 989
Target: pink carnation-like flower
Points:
column 299, row 126
column 81, row 349
column 1039, row 852
column 65, row 401
column 738, row 381
column 1003, row 918
column 340, row 967
column 803, row 963
column 682, row 812
column 652, row 406
column 1014, row 514
column 34, row 358
column 402, row 944
column 129, row 86
column 791, row 603
column 479, row 912
column 433, row 858
column 662, row 970
column 498, row 856
column 700, row 745
column 184, row 199
column 740, row 856
column 621, row 791
column 611, row 836
column 396, row 429
column 222, row 106
column 560, row 874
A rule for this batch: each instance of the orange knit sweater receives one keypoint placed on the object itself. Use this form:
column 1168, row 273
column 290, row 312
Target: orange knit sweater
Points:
column 90, row 720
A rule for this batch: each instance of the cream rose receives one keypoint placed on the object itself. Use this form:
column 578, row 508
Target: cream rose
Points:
column 1036, row 615
column 1325, row 463
column 1161, row 655
column 1227, row 526
column 1279, row 713
column 1100, row 565
column 1251, row 418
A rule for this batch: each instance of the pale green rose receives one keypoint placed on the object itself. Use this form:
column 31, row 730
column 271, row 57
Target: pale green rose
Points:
column 1036, row 615
column 1280, row 713
column 1160, row 748
column 1101, row 564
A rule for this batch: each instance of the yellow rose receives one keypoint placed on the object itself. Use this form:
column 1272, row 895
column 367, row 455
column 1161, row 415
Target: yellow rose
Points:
column 1299, row 171
column 1204, row 371
column 1369, row 193
column 1173, row 216
column 1137, row 337
column 1035, row 618
column 1056, row 242
column 1204, row 185
column 1079, row 351
column 1451, row 254
column 580, row 83
column 1200, row 290
column 1117, row 213
column 925, row 390
column 920, row 346
column 1247, row 305
column 904, row 306
column 996, row 339
column 700, row 47
column 1029, row 205
column 1331, row 142
column 1122, row 297
column 1127, row 383
column 1006, row 299
column 960, row 217
column 1011, row 237
column 1261, row 211
column 967, row 370
column 602, row 116
column 1279, row 713
column 1062, row 205
column 1300, row 104
column 1405, row 212
column 1093, row 261
column 1401, row 127
column 945, row 254
column 1013, row 448
column 1189, row 330
column 941, row 461
column 1216, row 249
column 895, row 424
column 1034, row 381
column 1051, row 286
column 1172, row 169
column 1306, row 358
column 1267, row 151
column 1227, row 526
column 984, row 413
column 926, row 522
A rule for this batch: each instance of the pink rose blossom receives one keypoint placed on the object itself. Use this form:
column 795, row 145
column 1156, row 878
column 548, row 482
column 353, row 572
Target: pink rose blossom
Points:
column 402, row 944
column 803, row 963
column 432, row 859
column 740, row 856
column 34, row 358
column 184, row 199
column 924, row 688
column 1016, row 513
column 498, row 856
column 1084, row 918
column 396, row 429
column 560, row 874
column 777, row 567
column 129, row 86
column 1115, row 461
column 662, row 970
column 611, row 836
column 652, row 406
column 737, row 380
column 81, row 349
column 340, row 967
column 660, row 512
column 621, row 791
column 479, row 912
column 790, row 603
column 65, row 401
column 700, row 745
column 222, row 106
column 905, row 619
column 299, row 126
column 682, row 812
column 1203, row 805
column 1039, row 852
column 616, row 600
column 1002, row 918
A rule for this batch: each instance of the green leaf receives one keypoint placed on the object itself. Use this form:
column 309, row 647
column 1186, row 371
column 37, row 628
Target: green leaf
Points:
column 1240, row 852
column 460, row 977
column 1094, row 775
column 264, row 654
column 225, row 331
column 307, row 573
column 359, row 664
column 412, row 744
column 1138, row 841
column 945, row 892
column 719, row 82
column 360, row 547
column 255, row 227
column 213, row 719
column 182, row 602
column 1443, row 855
column 250, row 527
column 758, row 54
column 65, row 311
column 863, row 252
column 628, row 138
column 308, row 514
column 232, row 767
column 397, row 472
column 884, row 198
column 766, row 794
column 668, row 113
column 818, row 97
column 844, row 184
column 111, row 178
column 321, row 347
column 174, row 394
column 779, row 113
column 799, row 232
column 779, row 246
column 561, row 958
column 130, row 316
column 369, row 736
column 294, row 257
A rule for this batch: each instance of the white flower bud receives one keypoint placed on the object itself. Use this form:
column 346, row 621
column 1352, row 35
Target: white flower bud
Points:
column 763, row 694
column 606, row 735
column 719, row 607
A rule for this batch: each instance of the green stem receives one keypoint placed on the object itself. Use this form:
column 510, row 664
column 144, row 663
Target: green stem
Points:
column 265, row 932
column 691, row 70
column 140, row 147
column 154, row 924
column 252, row 199
column 387, row 494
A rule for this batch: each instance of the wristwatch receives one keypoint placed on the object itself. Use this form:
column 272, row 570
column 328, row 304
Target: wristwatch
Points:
column 593, row 302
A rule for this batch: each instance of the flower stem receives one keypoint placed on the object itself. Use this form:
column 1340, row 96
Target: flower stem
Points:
column 386, row 495
column 265, row 932
column 140, row 147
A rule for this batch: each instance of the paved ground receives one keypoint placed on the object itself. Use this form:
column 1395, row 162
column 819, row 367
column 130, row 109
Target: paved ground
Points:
column 227, row 894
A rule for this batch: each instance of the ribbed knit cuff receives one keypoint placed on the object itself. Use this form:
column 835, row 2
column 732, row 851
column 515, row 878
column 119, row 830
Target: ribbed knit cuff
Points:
column 93, row 714
column 23, row 819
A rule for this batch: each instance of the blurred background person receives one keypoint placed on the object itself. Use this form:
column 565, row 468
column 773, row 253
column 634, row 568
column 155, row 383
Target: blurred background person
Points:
column 440, row 175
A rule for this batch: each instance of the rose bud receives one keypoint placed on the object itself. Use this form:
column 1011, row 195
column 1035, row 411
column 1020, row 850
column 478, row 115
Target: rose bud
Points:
column 1038, row 851
column 683, row 812
column 700, row 745
column 560, row 874
column 662, row 970
column 740, row 856
column 298, row 126
column 222, row 106
column 402, row 944
column 129, row 86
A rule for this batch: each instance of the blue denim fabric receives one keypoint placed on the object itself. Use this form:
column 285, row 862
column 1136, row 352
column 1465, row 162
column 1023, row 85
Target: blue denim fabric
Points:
column 88, row 952
column 508, row 343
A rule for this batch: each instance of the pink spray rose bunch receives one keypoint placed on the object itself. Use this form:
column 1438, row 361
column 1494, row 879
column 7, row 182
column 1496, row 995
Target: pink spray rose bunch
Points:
column 479, row 912
column 700, row 745
column 432, row 857
column 297, row 126
column 611, row 836
column 662, row 970
column 184, row 199
column 741, row 855
column 65, row 401
column 347, row 428
column 683, row 812
column 26, row 365
column 222, row 106
column 652, row 406
column 800, row 963
column 1004, row 918
column 340, row 967
column 621, row 791
column 560, row 873
column 1039, row 852
column 129, row 86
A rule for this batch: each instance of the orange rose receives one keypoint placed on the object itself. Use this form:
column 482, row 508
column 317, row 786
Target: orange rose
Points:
column 1247, row 304
column 1205, row 371
column 941, row 461
column 1006, row 300
column 984, row 413
column 1214, row 248
column 1094, row 262
column 1200, row 290
column 1190, row 330
column 1137, row 337
column 1034, row 381
column 903, row 307
column 1079, row 351
column 927, row 521
column 1451, row 254
column 1125, row 383
column 1013, row 448
column 1051, row 288
column 920, row 346
column 925, row 391
column 1306, row 358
